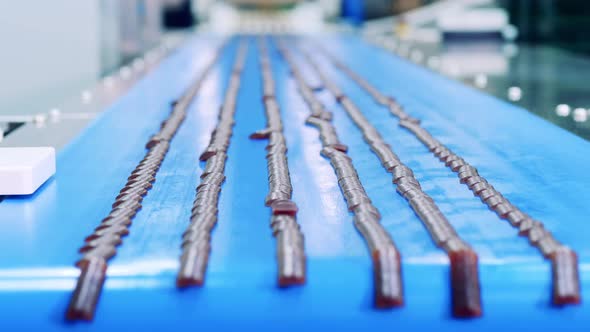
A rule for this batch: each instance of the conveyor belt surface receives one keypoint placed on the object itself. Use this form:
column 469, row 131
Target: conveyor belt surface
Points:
column 537, row 166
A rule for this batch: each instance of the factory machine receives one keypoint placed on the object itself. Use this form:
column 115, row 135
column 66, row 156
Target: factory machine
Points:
column 277, row 180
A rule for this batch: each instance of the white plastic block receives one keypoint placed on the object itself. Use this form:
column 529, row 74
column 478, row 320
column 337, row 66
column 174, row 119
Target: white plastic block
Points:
column 475, row 20
column 24, row 170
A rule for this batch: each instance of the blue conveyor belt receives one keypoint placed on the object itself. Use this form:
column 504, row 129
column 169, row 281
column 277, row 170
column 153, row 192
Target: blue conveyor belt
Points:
column 536, row 165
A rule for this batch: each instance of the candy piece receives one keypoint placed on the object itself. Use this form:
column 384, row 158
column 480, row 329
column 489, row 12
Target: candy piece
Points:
column 566, row 280
column 193, row 265
column 465, row 290
column 290, row 258
column 88, row 288
column 284, row 207
column 387, row 276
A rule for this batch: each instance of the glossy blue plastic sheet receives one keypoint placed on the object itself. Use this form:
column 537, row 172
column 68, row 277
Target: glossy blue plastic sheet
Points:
column 539, row 167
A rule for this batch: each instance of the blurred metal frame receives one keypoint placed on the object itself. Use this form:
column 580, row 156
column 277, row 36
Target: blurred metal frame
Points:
column 60, row 125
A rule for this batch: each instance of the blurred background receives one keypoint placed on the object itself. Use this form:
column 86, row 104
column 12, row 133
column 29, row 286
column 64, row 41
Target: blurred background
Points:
column 533, row 53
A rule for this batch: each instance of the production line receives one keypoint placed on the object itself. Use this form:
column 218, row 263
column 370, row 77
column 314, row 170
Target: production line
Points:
column 365, row 172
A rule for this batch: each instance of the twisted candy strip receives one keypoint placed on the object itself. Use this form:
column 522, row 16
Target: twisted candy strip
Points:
column 388, row 285
column 196, row 244
column 464, row 275
column 102, row 244
column 564, row 261
column 290, row 246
